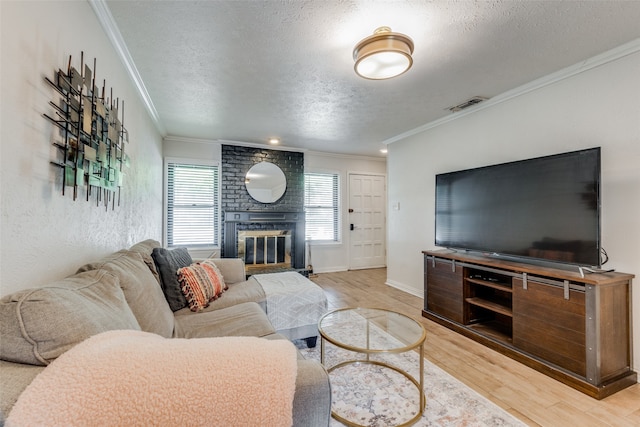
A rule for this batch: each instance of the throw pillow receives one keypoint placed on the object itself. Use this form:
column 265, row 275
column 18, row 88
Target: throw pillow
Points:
column 218, row 272
column 168, row 263
column 145, row 248
column 201, row 283
column 233, row 269
column 141, row 290
column 38, row 325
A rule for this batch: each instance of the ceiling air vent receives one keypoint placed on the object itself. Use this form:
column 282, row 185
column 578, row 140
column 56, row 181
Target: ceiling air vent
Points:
column 468, row 103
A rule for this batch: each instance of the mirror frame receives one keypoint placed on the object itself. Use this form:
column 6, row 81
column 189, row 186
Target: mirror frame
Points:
column 265, row 182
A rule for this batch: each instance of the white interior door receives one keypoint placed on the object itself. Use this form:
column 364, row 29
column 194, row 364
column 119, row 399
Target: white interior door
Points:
column 367, row 221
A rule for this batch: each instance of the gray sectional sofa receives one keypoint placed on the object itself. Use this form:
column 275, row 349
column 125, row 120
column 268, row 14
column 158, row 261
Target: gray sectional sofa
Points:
column 122, row 291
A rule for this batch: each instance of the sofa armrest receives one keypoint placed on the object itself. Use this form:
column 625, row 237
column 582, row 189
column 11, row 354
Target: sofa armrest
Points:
column 14, row 379
column 232, row 269
column 312, row 399
column 140, row 374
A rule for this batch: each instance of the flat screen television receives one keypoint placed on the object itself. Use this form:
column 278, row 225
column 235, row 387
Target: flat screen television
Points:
column 545, row 209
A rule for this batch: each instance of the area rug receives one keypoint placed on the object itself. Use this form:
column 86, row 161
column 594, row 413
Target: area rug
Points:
column 379, row 397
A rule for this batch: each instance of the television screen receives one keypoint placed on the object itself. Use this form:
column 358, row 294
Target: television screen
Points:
column 547, row 208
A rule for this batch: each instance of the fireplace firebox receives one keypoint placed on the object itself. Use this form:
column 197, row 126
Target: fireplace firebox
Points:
column 265, row 238
column 265, row 247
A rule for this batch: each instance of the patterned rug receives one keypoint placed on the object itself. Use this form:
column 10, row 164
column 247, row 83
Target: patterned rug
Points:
column 379, row 397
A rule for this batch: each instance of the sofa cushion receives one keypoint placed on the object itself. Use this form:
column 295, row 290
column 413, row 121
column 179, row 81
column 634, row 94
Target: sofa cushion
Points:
column 168, row 263
column 145, row 248
column 200, row 283
column 38, row 325
column 141, row 290
column 246, row 319
column 231, row 268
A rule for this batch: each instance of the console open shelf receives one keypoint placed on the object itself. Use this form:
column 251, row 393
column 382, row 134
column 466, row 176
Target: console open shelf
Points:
column 574, row 328
column 490, row 305
column 488, row 302
column 489, row 284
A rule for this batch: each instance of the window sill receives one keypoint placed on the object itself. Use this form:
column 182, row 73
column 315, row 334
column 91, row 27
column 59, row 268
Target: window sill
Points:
column 201, row 252
column 323, row 243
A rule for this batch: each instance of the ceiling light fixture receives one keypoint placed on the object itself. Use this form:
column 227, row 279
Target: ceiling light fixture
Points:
column 274, row 141
column 383, row 55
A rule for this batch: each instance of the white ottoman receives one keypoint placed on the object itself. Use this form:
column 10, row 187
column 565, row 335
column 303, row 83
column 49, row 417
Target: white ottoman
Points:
column 294, row 304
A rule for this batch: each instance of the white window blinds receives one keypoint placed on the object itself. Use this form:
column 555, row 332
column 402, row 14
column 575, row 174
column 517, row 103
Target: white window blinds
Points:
column 192, row 204
column 321, row 206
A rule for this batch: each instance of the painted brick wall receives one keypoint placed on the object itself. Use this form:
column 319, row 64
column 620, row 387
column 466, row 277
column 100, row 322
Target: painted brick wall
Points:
column 236, row 162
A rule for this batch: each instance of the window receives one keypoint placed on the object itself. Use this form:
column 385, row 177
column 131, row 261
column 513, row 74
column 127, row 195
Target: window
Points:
column 192, row 206
column 321, row 206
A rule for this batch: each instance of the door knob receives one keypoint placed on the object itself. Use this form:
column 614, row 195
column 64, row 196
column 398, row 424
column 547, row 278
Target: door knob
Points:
column 352, row 227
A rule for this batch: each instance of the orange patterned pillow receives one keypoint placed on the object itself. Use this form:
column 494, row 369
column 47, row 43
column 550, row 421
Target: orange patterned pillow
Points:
column 200, row 283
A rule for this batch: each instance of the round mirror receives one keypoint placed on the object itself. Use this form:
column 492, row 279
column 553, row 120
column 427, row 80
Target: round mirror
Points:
column 265, row 182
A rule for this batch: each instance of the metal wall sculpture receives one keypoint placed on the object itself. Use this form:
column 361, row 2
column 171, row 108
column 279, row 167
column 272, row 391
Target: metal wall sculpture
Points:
column 91, row 142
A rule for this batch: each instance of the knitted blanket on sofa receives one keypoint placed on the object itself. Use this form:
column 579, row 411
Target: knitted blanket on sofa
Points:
column 137, row 378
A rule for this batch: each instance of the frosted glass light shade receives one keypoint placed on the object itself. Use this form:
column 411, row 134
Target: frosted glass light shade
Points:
column 383, row 55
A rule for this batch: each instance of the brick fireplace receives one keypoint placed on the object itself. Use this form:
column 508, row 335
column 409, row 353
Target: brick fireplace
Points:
column 242, row 213
column 265, row 233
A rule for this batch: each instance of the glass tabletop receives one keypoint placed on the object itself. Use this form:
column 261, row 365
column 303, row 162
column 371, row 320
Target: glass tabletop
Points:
column 371, row 330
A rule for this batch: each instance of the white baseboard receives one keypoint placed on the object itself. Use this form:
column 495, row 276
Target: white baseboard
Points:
column 333, row 269
column 339, row 268
column 405, row 288
column 369, row 267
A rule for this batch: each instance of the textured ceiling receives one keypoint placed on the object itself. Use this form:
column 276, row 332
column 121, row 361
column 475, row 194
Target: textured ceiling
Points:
column 249, row 70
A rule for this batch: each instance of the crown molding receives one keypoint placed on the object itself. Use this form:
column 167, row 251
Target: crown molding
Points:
column 348, row 156
column 258, row 145
column 586, row 65
column 173, row 138
column 110, row 27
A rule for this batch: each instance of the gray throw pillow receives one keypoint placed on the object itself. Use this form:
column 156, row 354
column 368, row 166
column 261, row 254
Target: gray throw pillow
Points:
column 168, row 262
column 145, row 248
column 38, row 325
column 142, row 291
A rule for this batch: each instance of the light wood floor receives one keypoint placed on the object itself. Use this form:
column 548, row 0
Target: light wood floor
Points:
column 527, row 394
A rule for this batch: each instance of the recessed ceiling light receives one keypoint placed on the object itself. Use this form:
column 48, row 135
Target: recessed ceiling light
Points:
column 384, row 150
column 274, row 141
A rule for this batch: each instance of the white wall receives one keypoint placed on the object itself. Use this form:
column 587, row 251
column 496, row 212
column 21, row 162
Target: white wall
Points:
column 192, row 149
column 335, row 257
column 597, row 107
column 45, row 236
column 324, row 257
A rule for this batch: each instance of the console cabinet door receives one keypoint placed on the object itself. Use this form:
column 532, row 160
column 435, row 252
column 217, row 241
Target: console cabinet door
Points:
column 549, row 326
column 443, row 288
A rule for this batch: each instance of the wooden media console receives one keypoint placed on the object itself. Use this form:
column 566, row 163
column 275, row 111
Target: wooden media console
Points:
column 572, row 327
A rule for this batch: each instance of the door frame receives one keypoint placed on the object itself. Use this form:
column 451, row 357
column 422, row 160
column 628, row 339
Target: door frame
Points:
column 348, row 222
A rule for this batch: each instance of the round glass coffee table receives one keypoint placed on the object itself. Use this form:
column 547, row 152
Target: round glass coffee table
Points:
column 371, row 331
